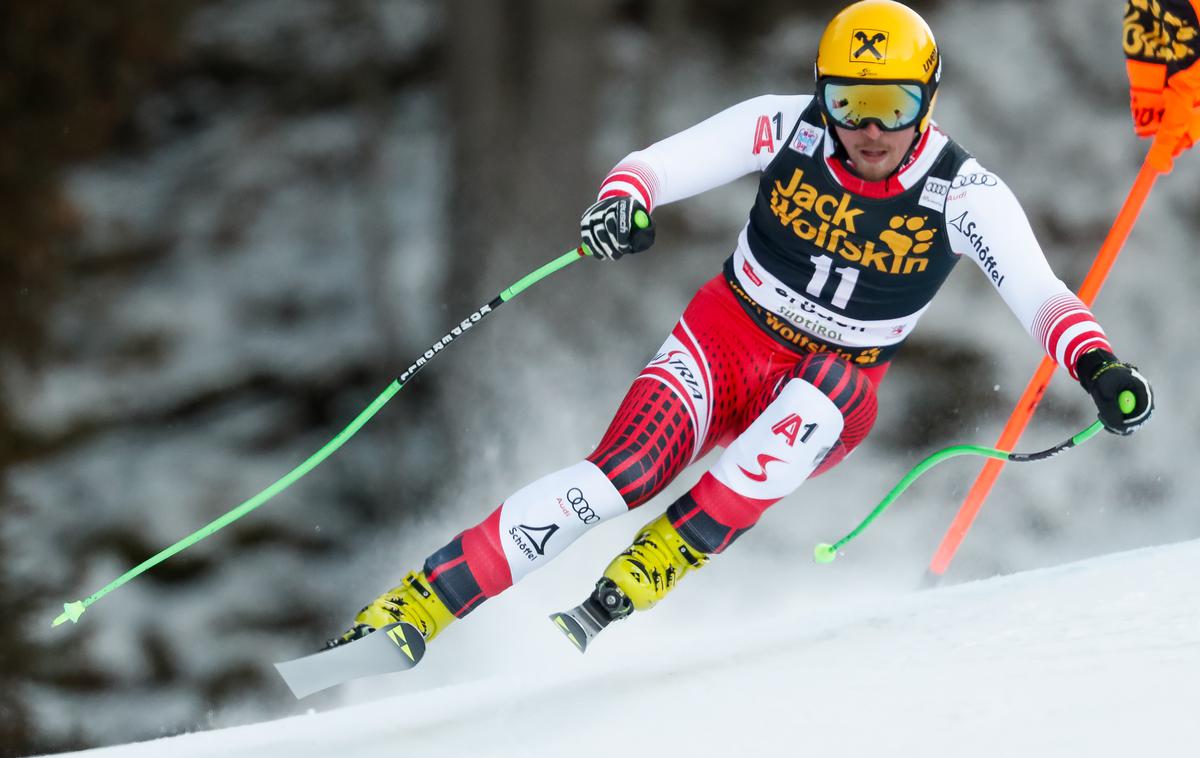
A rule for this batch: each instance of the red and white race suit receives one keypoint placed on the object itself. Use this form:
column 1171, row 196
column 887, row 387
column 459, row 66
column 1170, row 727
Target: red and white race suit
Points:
column 777, row 358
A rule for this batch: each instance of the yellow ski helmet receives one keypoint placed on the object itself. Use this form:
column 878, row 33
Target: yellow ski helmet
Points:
column 878, row 42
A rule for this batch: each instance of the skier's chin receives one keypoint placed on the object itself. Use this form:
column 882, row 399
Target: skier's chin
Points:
column 875, row 165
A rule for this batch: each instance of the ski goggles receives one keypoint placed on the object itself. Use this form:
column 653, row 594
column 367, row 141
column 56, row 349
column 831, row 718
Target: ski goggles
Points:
column 891, row 106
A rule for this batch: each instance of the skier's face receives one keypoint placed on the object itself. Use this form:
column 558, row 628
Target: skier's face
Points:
column 876, row 153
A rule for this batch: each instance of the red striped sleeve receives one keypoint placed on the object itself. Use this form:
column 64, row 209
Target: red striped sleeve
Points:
column 1067, row 329
column 632, row 178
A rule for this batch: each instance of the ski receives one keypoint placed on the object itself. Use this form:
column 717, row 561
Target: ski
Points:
column 397, row 647
column 584, row 622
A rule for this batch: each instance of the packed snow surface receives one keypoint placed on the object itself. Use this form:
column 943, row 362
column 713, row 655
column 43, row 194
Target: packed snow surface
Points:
column 1096, row 658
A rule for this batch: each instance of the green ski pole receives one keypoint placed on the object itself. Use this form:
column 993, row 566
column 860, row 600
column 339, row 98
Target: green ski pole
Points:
column 827, row 553
column 73, row 611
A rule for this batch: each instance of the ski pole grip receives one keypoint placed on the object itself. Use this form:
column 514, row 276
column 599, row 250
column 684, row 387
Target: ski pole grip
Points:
column 641, row 219
column 1126, row 402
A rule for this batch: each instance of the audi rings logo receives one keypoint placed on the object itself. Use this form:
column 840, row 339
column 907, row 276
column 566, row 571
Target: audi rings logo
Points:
column 978, row 180
column 580, row 505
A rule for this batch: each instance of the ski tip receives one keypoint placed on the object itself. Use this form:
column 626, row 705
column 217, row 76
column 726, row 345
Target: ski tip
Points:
column 572, row 629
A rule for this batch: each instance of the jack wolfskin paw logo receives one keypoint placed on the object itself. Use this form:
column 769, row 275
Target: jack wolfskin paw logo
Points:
column 908, row 235
column 867, row 357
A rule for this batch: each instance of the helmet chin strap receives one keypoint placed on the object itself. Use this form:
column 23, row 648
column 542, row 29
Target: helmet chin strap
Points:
column 908, row 153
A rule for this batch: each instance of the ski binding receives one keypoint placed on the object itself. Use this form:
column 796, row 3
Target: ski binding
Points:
column 585, row 621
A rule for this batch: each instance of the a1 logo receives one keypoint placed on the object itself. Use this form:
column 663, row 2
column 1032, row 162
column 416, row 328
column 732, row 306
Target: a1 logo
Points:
column 790, row 428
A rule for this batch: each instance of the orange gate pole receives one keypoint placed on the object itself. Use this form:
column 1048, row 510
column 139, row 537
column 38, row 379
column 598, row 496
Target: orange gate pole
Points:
column 1041, row 379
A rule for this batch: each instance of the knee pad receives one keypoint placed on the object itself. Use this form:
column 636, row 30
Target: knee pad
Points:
column 783, row 446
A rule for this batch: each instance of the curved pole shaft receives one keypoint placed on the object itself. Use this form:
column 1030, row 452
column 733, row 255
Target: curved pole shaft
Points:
column 1041, row 379
column 826, row 553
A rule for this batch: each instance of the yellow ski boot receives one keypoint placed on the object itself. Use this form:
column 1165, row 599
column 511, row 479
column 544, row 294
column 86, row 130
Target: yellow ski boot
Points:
column 635, row 580
column 414, row 601
column 652, row 565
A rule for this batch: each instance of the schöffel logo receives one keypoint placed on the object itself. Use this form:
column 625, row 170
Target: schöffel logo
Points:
column 969, row 230
column 868, row 46
column 531, row 540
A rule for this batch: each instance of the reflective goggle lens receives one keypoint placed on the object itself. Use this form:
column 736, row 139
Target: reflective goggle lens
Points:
column 892, row 106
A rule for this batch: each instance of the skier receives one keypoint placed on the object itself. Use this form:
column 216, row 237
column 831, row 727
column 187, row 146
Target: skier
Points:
column 863, row 208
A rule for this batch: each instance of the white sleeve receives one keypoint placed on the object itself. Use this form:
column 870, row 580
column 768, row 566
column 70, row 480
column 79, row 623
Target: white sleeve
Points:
column 724, row 147
column 987, row 224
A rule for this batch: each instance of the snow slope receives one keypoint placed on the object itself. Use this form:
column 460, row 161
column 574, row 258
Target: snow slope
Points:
column 1096, row 658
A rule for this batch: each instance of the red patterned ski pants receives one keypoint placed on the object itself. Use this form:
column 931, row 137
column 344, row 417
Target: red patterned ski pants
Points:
column 719, row 380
